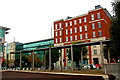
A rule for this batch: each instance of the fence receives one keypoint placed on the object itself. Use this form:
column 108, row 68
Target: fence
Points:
column 113, row 69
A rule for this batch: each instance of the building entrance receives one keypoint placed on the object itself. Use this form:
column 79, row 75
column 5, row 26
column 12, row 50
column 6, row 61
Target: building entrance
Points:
column 95, row 60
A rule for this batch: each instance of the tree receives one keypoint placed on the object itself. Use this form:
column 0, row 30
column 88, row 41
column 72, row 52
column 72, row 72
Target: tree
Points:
column 24, row 60
column 115, row 30
column 54, row 56
column 77, row 53
column 37, row 61
column 108, row 52
column 17, row 62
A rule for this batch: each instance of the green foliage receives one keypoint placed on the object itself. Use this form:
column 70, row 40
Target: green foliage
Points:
column 54, row 56
column 77, row 53
column 17, row 62
column 111, row 51
column 37, row 61
column 27, row 59
column 115, row 30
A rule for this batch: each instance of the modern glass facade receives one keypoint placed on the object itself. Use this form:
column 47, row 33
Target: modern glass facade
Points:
column 2, row 39
column 38, row 44
column 2, row 35
column 2, row 31
column 34, row 45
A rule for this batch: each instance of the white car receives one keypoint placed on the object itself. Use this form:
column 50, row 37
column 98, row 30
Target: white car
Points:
column 91, row 66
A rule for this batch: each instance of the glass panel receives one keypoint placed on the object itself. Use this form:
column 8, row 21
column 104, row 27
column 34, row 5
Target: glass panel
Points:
column 2, row 33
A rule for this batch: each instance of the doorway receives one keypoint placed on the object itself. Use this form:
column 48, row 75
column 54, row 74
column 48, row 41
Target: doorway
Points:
column 95, row 60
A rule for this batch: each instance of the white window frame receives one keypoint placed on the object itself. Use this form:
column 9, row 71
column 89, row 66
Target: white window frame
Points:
column 93, row 34
column 60, row 33
column 80, row 28
column 75, row 30
column 70, row 30
column 85, row 27
column 98, row 15
column 60, row 39
column 60, row 25
column 80, row 20
column 75, row 22
column 99, row 25
column 85, row 19
column 66, row 24
column 70, row 23
column 81, row 36
column 66, row 39
column 56, row 40
column 56, row 26
column 66, row 31
column 95, row 51
column 71, row 38
column 92, row 17
column 75, row 37
column 93, row 25
column 86, row 35
column 56, row 33
column 100, row 33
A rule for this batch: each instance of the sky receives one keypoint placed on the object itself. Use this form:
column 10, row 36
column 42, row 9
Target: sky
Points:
column 31, row 20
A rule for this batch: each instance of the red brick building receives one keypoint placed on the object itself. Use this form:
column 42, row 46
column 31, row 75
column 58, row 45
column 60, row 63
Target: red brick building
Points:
column 92, row 26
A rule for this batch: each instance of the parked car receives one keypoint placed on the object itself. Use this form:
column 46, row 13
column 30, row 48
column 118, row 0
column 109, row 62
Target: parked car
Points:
column 92, row 66
column 98, row 66
column 112, row 61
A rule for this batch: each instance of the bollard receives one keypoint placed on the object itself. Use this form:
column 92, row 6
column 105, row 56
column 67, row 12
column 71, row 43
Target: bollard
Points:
column 38, row 69
column 26, row 68
column 18, row 68
column 105, row 71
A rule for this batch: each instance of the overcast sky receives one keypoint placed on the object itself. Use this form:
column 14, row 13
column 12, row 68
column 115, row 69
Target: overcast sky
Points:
column 31, row 20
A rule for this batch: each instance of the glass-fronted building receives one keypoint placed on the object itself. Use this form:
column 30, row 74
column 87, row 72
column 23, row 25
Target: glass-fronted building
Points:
column 38, row 44
column 39, row 55
column 2, row 39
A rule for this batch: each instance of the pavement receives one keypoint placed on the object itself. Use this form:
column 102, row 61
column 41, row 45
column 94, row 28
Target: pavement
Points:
column 80, row 73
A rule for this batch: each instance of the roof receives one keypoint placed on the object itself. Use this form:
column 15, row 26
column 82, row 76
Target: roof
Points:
column 98, row 7
column 39, row 41
column 5, row 28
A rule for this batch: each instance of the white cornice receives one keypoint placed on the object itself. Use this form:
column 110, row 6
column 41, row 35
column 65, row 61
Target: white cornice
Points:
column 98, row 20
column 58, row 29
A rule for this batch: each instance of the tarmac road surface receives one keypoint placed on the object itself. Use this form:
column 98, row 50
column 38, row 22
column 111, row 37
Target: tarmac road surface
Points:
column 17, row 75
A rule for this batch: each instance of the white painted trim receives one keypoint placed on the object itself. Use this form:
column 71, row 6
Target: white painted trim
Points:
column 98, row 20
column 58, row 29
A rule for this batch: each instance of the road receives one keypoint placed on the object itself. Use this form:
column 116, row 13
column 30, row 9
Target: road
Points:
column 16, row 75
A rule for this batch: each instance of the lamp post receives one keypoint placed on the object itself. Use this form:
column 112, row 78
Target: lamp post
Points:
column 81, row 58
column 49, row 58
column 102, row 54
column 72, row 58
column 60, row 52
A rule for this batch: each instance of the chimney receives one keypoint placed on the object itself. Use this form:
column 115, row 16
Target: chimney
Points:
column 97, row 7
